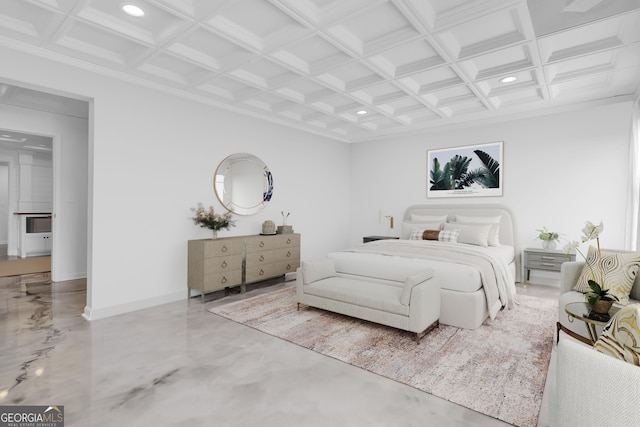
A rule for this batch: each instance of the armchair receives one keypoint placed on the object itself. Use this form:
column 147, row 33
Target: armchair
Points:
column 569, row 274
column 593, row 389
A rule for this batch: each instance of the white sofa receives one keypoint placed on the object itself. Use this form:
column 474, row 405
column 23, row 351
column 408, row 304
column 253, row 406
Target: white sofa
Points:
column 402, row 299
column 593, row 389
column 569, row 274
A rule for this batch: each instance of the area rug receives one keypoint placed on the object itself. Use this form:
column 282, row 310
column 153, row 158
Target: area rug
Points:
column 498, row 369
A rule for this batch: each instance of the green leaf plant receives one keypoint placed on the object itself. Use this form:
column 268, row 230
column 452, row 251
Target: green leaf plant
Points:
column 598, row 294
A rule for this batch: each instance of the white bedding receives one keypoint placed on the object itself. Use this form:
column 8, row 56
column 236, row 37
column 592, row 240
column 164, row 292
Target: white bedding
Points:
column 462, row 273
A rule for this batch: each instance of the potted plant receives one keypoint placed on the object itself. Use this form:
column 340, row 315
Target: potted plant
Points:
column 599, row 299
column 549, row 238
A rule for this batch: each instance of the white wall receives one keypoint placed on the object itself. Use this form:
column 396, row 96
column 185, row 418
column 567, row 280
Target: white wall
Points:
column 70, row 147
column 152, row 157
column 559, row 171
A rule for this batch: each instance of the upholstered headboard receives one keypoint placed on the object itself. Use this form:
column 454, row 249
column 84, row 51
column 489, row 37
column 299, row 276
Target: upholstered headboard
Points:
column 507, row 225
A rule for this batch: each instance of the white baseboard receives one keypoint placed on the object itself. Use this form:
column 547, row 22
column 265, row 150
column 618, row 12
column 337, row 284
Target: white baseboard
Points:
column 101, row 313
column 72, row 276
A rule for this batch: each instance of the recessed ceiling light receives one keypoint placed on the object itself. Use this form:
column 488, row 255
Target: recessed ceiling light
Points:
column 361, row 112
column 133, row 10
column 508, row 79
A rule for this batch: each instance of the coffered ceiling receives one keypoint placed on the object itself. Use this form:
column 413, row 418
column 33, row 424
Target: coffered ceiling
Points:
column 314, row 64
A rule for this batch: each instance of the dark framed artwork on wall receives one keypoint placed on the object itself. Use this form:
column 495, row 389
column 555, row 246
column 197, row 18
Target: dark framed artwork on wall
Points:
column 467, row 171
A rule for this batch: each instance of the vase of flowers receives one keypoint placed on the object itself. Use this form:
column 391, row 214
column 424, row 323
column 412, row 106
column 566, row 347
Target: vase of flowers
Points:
column 548, row 238
column 598, row 297
column 208, row 218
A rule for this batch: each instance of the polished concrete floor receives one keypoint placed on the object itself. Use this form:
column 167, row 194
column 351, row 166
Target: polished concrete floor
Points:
column 178, row 365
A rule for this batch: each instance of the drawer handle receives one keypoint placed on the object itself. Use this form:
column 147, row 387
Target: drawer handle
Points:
column 546, row 264
column 261, row 258
column 289, row 241
column 224, row 264
column 547, row 257
column 224, row 280
column 261, row 272
column 288, row 266
column 288, row 254
column 224, row 248
column 261, row 244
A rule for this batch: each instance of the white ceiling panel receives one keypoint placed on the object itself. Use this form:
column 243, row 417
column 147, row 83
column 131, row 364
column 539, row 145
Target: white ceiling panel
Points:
column 313, row 64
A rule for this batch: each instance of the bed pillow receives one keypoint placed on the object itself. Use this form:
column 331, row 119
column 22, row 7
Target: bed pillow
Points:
column 407, row 227
column 494, row 234
column 312, row 271
column 619, row 273
column 621, row 337
column 449, row 236
column 418, row 233
column 472, row 234
column 428, row 218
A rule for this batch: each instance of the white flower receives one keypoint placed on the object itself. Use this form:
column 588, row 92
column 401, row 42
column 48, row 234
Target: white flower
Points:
column 590, row 231
column 571, row 246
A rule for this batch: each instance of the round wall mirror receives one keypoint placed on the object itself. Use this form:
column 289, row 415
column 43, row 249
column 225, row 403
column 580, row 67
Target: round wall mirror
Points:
column 243, row 184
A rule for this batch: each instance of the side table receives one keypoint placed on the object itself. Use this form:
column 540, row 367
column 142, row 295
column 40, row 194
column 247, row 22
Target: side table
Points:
column 373, row 238
column 581, row 311
column 544, row 259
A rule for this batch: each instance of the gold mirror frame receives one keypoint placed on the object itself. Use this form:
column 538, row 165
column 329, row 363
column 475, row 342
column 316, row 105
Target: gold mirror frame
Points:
column 243, row 184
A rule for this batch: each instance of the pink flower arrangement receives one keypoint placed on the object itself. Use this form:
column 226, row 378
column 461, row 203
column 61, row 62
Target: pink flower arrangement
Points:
column 207, row 218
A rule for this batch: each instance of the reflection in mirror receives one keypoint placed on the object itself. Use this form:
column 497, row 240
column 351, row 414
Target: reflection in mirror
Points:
column 243, row 184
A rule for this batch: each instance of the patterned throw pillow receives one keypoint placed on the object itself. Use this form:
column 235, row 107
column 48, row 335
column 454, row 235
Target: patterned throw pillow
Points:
column 450, row 236
column 621, row 337
column 417, row 233
column 619, row 270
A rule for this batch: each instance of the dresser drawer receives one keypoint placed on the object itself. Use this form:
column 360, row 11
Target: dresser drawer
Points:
column 214, row 282
column 538, row 257
column 261, row 272
column 288, row 240
column 222, row 264
column 544, row 265
column 260, row 258
column 261, row 243
column 222, row 247
column 287, row 254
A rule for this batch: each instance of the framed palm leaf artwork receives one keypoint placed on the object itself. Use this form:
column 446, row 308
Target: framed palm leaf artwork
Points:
column 473, row 170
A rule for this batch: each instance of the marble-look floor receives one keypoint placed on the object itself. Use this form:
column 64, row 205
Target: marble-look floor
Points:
column 178, row 365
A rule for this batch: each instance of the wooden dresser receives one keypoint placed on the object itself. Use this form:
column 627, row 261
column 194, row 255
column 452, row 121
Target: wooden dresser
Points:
column 235, row 261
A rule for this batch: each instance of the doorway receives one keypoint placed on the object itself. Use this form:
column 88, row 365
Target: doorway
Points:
column 26, row 190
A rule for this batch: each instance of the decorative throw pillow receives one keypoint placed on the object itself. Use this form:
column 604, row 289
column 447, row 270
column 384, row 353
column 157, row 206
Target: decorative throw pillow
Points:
column 430, row 234
column 450, row 236
column 416, row 230
column 407, row 227
column 472, row 234
column 621, row 337
column 494, row 234
column 615, row 271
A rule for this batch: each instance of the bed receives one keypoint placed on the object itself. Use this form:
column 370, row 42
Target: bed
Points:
column 472, row 249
